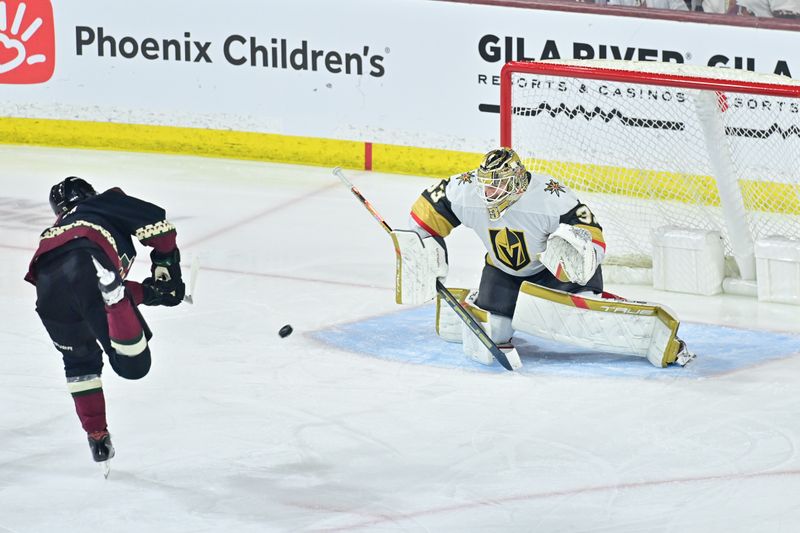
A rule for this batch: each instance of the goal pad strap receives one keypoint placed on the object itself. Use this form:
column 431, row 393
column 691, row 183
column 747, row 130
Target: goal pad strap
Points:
column 608, row 325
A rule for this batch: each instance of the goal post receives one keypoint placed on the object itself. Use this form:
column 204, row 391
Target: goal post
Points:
column 649, row 145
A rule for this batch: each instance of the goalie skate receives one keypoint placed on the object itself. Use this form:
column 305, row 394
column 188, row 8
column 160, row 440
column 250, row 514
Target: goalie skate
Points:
column 684, row 356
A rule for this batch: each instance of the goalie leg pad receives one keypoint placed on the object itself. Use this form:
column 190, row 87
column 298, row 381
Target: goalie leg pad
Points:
column 609, row 325
column 448, row 324
column 497, row 327
column 419, row 263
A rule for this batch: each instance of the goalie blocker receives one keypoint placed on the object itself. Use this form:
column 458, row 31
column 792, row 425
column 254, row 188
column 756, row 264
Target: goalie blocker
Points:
column 606, row 324
column 420, row 262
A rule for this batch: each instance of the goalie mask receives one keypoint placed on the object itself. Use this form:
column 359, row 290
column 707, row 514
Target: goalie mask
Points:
column 502, row 179
column 69, row 193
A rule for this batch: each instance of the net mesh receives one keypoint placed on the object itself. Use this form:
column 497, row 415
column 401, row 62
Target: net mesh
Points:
column 641, row 155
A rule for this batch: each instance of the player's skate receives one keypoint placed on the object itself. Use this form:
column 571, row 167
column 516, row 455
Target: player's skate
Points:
column 102, row 449
column 111, row 287
column 684, row 356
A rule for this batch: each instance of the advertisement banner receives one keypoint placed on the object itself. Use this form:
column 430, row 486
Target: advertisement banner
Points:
column 405, row 72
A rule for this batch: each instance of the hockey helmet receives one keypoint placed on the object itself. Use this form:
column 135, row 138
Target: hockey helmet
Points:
column 69, row 193
column 502, row 179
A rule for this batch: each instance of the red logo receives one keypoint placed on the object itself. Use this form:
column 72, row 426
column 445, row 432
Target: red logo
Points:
column 27, row 41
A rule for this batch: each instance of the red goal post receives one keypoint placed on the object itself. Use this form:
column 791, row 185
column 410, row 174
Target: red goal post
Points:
column 651, row 145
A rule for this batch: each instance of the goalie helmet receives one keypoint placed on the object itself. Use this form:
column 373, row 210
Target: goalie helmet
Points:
column 502, row 179
column 69, row 193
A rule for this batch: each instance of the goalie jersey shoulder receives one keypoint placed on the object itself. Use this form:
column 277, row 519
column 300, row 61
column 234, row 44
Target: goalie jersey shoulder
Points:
column 442, row 206
column 547, row 196
column 563, row 205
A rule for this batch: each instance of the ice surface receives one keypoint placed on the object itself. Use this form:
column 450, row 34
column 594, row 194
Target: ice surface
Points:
column 362, row 420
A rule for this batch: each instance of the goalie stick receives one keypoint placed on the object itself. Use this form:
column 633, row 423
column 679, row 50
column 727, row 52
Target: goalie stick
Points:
column 446, row 295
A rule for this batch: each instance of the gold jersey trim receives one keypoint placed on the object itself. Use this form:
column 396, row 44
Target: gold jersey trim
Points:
column 60, row 230
column 426, row 213
column 154, row 230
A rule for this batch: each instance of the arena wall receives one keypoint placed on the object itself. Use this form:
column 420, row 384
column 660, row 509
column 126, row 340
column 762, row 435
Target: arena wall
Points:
column 406, row 86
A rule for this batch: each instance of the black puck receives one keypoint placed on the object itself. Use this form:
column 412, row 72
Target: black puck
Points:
column 285, row 331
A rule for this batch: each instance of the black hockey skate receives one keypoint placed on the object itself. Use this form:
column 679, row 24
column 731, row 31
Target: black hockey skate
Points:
column 100, row 444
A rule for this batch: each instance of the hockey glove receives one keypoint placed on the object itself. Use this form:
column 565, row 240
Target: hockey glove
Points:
column 166, row 286
column 570, row 254
column 166, row 267
column 156, row 292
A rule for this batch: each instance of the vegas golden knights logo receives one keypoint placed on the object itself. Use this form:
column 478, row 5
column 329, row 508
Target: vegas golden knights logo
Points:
column 510, row 248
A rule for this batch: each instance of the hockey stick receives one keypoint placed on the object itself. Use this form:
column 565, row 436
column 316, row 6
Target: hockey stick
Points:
column 189, row 297
column 446, row 295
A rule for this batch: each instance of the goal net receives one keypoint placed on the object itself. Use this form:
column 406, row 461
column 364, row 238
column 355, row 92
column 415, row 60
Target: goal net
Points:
column 648, row 145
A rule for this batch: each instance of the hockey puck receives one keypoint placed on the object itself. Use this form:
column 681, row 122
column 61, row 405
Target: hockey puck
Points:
column 285, row 331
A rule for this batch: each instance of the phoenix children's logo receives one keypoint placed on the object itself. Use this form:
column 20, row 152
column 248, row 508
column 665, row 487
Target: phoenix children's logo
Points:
column 27, row 41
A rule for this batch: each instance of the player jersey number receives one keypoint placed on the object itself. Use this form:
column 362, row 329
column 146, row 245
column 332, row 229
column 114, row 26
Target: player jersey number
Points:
column 436, row 191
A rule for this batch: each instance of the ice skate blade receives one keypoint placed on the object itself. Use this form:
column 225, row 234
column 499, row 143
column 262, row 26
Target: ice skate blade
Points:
column 106, row 467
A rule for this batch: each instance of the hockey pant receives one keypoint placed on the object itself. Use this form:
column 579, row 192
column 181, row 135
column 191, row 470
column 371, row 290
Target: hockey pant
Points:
column 73, row 313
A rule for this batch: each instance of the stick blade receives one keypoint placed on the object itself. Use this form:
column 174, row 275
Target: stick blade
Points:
column 190, row 290
column 339, row 174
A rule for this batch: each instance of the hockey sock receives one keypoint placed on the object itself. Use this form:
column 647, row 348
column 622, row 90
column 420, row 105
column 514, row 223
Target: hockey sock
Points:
column 124, row 329
column 90, row 403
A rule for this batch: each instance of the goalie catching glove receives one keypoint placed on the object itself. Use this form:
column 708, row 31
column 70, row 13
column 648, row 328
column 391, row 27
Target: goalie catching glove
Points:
column 165, row 286
column 420, row 262
column 570, row 254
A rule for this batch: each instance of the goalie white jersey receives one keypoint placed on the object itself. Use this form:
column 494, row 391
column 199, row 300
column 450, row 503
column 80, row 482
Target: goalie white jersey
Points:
column 514, row 240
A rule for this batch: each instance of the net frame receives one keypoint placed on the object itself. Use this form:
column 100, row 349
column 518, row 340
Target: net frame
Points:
column 706, row 81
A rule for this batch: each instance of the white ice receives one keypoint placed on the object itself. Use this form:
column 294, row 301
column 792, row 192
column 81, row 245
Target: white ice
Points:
column 238, row 430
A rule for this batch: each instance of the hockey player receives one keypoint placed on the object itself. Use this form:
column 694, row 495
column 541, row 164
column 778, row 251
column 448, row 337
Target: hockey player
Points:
column 543, row 244
column 83, row 298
